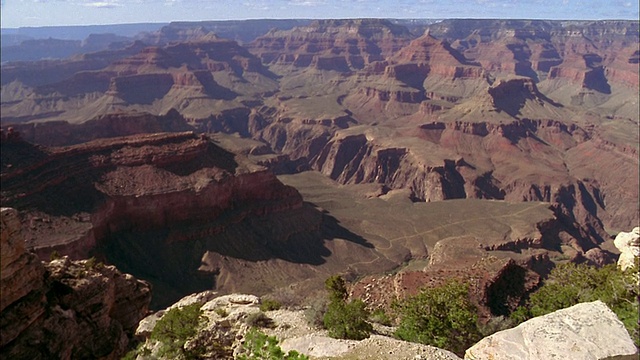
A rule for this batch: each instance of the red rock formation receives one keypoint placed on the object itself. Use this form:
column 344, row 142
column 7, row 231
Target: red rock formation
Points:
column 135, row 183
column 497, row 286
column 143, row 202
column 62, row 133
column 548, row 49
column 72, row 310
column 180, row 75
column 341, row 45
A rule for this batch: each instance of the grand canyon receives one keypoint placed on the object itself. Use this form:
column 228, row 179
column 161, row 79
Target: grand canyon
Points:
column 264, row 156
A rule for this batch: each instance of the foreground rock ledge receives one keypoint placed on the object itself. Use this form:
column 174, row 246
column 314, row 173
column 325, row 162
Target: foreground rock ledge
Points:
column 584, row 331
column 63, row 309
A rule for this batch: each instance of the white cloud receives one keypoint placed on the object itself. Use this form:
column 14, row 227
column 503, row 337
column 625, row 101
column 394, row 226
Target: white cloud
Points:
column 102, row 4
column 307, row 2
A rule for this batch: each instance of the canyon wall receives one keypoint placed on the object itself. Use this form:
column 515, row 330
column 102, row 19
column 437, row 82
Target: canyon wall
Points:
column 64, row 309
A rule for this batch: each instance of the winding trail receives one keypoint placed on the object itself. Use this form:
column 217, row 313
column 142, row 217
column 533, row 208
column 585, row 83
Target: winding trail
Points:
column 376, row 250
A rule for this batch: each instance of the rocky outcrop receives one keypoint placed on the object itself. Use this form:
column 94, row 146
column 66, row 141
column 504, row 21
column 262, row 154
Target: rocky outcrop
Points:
column 63, row 133
column 225, row 325
column 588, row 330
column 64, row 309
column 629, row 245
column 22, row 280
column 497, row 285
column 229, row 317
column 353, row 159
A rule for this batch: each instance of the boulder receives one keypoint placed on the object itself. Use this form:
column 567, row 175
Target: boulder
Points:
column 629, row 245
column 584, row 331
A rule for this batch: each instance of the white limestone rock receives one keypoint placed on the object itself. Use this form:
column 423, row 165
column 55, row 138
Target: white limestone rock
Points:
column 584, row 331
column 629, row 245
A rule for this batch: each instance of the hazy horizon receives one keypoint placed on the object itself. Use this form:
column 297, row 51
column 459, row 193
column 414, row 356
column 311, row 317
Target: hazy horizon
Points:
column 43, row 13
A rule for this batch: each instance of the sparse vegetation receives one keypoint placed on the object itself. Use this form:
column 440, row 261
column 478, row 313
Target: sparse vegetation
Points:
column 495, row 324
column 259, row 319
column 139, row 350
column 314, row 313
column 570, row 284
column 93, row 264
column 442, row 316
column 258, row 346
column 222, row 312
column 55, row 255
column 174, row 329
column 379, row 316
column 345, row 320
column 270, row 304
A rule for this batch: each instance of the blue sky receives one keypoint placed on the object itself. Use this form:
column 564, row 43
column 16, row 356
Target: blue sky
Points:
column 16, row 13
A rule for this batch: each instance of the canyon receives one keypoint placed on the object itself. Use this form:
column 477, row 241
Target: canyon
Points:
column 200, row 157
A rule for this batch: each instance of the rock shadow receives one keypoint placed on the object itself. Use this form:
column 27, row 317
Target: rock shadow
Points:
column 171, row 258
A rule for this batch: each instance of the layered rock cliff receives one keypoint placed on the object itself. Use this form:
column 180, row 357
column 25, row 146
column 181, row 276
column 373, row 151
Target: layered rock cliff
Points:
column 199, row 78
column 169, row 207
column 339, row 45
column 64, row 309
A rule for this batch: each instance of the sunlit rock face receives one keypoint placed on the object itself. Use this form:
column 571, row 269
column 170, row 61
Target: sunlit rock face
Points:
column 587, row 330
column 629, row 245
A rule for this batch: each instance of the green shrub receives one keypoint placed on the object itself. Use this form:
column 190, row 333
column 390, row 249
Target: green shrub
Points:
column 55, row 255
column 176, row 327
column 337, row 288
column 222, row 312
column 495, row 324
column 269, row 304
column 380, row 317
column 570, row 284
column 442, row 316
column 345, row 320
column 93, row 264
column 90, row 263
column 258, row 346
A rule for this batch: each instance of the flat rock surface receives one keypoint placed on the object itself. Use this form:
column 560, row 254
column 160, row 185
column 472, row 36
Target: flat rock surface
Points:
column 584, row 331
column 295, row 334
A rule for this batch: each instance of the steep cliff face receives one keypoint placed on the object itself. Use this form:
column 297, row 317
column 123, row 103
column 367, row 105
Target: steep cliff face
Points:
column 63, row 133
column 174, row 208
column 64, row 309
column 144, row 182
column 540, row 49
column 339, row 45
column 518, row 160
